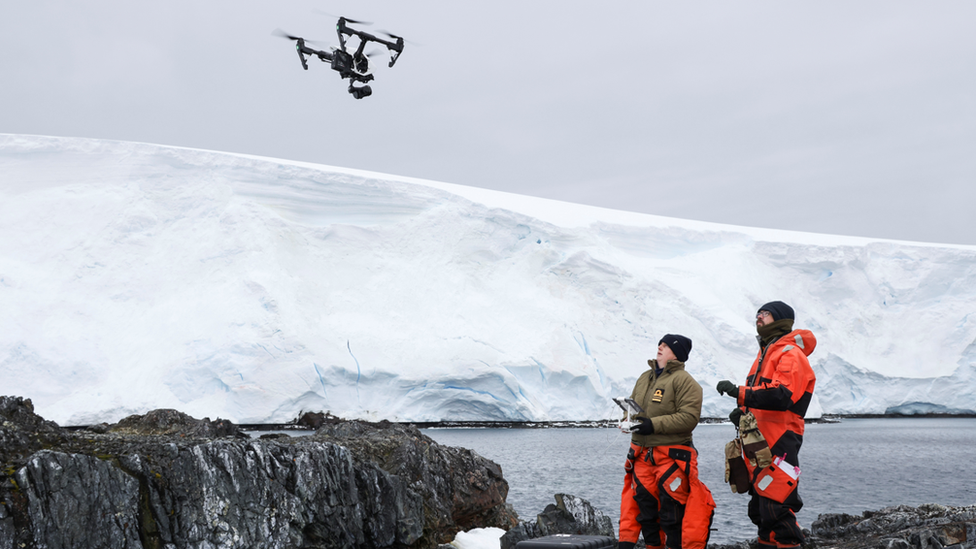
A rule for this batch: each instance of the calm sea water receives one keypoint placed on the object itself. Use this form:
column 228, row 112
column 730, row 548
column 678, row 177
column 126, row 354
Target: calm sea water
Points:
column 847, row 467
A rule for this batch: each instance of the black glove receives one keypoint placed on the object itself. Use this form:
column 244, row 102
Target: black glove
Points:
column 735, row 415
column 645, row 427
column 729, row 388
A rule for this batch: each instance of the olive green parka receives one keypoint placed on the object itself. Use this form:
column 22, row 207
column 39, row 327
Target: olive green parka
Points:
column 672, row 401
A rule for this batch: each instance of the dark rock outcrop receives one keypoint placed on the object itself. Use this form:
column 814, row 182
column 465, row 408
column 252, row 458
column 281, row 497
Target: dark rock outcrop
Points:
column 167, row 480
column 174, row 423
column 22, row 432
column 929, row 526
column 461, row 489
column 570, row 515
column 315, row 420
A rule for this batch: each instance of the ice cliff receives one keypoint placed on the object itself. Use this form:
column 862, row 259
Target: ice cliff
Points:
column 136, row 277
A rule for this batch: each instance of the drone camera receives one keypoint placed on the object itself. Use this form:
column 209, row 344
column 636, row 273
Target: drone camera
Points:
column 362, row 92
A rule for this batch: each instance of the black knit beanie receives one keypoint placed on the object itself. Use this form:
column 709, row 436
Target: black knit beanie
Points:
column 679, row 345
column 779, row 310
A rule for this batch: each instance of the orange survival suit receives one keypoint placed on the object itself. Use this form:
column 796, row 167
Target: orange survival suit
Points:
column 662, row 495
column 778, row 391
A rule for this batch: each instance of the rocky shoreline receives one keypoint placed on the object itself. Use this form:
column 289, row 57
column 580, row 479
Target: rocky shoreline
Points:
column 166, row 480
column 928, row 526
column 298, row 425
column 826, row 418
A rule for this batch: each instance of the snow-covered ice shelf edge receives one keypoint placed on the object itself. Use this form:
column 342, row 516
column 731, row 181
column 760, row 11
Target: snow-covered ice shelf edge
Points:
column 137, row 276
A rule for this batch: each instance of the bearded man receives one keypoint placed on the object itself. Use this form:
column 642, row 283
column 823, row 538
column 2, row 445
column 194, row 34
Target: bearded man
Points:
column 777, row 392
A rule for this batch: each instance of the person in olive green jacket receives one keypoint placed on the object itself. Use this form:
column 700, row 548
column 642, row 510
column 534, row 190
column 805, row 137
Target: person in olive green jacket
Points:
column 662, row 496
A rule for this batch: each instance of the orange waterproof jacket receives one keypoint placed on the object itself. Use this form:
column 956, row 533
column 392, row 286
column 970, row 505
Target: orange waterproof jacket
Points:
column 778, row 392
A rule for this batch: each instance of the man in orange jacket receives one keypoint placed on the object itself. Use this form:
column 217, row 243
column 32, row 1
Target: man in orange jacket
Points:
column 662, row 495
column 777, row 392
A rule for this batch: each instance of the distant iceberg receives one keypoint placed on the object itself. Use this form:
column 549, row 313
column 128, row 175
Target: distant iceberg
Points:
column 925, row 408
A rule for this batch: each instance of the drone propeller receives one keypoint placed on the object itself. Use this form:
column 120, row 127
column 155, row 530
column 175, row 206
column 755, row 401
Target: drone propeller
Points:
column 395, row 37
column 283, row 34
column 348, row 20
column 354, row 22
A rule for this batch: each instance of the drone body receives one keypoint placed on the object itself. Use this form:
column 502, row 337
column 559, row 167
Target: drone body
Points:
column 353, row 65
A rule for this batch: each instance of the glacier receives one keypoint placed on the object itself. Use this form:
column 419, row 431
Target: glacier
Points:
column 136, row 276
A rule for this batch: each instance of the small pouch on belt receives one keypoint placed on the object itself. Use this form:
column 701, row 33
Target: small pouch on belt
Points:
column 736, row 473
column 777, row 481
column 754, row 445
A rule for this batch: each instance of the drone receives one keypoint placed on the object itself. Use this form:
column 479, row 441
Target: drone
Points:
column 353, row 65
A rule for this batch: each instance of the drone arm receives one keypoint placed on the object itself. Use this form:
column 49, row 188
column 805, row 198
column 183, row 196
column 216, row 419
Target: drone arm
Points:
column 364, row 37
column 304, row 50
column 398, row 49
column 322, row 55
column 300, row 48
column 341, row 29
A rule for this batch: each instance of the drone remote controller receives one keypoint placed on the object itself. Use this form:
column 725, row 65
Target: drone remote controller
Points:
column 631, row 410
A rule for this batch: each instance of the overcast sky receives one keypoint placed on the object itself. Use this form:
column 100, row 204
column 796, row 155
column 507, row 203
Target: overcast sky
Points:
column 843, row 117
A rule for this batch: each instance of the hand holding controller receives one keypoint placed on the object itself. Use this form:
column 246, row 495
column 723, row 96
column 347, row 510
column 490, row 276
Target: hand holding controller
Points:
column 626, row 426
column 631, row 409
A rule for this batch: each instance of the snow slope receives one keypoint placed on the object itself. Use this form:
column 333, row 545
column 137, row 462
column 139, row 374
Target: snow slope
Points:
column 137, row 276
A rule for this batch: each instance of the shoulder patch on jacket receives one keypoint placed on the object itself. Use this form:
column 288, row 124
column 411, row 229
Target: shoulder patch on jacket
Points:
column 788, row 348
